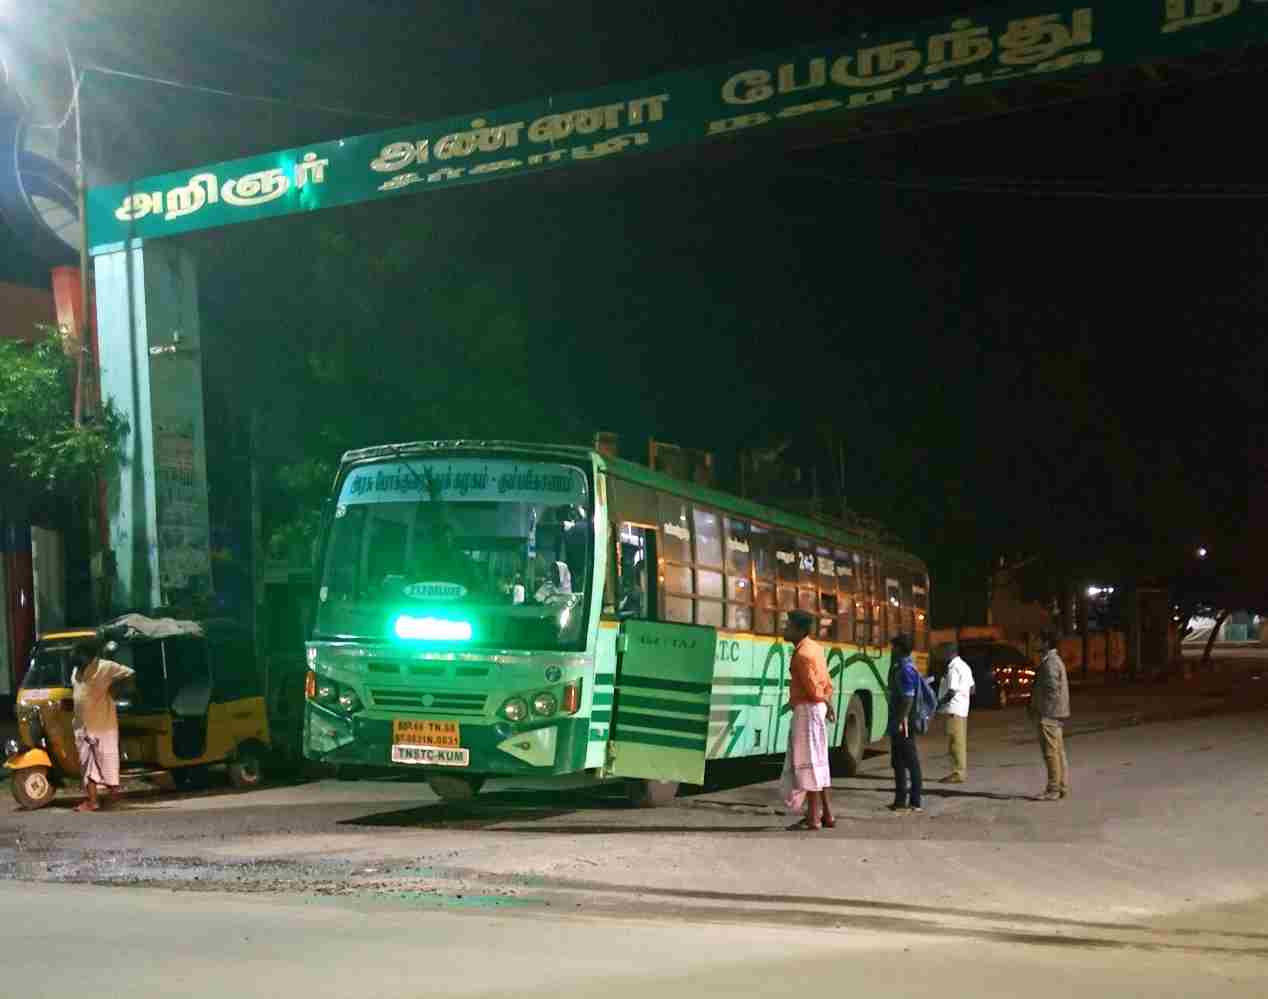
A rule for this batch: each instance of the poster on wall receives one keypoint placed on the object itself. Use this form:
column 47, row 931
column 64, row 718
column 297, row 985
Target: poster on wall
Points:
column 184, row 545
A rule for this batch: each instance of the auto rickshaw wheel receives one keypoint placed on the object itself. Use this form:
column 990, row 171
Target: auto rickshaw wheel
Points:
column 246, row 769
column 190, row 777
column 32, row 787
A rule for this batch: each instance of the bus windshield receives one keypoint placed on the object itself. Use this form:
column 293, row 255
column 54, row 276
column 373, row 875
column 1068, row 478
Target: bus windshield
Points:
column 462, row 552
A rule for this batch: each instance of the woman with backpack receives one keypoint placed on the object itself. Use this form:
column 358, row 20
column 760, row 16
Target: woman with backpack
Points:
column 904, row 693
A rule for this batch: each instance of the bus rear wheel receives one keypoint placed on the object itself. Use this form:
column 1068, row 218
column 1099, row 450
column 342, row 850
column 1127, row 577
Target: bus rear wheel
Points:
column 853, row 736
column 651, row 793
column 453, row 787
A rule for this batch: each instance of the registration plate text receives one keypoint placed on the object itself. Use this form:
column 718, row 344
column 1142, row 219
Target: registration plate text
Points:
column 430, row 756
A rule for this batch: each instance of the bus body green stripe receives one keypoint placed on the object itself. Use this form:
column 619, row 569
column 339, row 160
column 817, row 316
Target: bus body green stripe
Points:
column 656, row 683
column 657, row 739
column 661, row 723
column 629, row 700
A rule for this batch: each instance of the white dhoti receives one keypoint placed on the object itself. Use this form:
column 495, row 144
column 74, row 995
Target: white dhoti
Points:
column 98, row 757
column 806, row 761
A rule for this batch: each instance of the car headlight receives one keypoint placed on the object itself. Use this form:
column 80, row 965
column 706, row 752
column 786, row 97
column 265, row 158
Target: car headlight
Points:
column 545, row 704
column 515, row 709
column 327, row 691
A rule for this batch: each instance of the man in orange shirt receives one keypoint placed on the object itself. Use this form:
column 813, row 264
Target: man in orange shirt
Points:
column 806, row 778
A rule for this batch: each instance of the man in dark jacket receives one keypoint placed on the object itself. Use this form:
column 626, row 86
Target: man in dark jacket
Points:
column 1050, row 707
column 903, row 754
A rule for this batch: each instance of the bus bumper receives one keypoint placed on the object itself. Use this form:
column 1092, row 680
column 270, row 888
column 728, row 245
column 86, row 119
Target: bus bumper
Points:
column 495, row 749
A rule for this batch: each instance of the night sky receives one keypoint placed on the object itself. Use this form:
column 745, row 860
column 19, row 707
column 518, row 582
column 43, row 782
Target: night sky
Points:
column 1007, row 372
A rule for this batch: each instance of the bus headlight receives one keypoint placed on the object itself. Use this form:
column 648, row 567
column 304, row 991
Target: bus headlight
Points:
column 515, row 709
column 349, row 701
column 329, row 694
column 544, row 704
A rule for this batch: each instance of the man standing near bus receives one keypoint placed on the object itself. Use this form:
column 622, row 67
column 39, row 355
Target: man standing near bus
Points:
column 953, row 701
column 903, row 754
column 1050, row 707
column 807, row 778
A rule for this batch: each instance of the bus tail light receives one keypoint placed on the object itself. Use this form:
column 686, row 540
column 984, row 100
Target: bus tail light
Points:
column 310, row 684
column 572, row 698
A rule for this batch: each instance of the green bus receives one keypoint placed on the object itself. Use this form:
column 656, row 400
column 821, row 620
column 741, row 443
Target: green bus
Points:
column 510, row 610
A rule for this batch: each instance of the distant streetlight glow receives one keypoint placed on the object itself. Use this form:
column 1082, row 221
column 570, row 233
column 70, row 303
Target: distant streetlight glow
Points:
column 1202, row 551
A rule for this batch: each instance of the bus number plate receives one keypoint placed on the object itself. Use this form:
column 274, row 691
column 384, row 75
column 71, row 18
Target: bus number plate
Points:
column 425, row 732
column 431, row 757
column 428, row 741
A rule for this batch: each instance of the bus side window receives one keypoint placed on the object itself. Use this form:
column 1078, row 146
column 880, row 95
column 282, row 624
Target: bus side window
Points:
column 635, row 584
column 893, row 605
column 920, row 598
column 764, row 573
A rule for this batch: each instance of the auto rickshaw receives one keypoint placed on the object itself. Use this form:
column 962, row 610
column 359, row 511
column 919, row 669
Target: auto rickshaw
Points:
column 195, row 701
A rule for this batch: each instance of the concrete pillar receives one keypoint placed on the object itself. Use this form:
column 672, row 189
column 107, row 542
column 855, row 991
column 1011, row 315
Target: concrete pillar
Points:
column 151, row 369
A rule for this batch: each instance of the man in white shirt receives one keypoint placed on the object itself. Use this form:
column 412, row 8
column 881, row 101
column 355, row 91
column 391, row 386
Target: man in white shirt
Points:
column 953, row 701
column 95, row 721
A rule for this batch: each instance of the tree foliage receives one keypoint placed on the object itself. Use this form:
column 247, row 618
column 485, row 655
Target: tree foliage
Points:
column 368, row 338
column 44, row 454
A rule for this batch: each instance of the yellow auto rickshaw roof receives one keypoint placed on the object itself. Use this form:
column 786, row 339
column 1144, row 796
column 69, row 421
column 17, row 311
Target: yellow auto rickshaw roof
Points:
column 68, row 633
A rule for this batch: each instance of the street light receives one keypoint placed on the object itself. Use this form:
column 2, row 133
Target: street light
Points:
column 30, row 61
column 1202, row 552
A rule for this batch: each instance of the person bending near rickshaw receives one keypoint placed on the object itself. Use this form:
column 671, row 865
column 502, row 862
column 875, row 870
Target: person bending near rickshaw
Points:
column 96, row 721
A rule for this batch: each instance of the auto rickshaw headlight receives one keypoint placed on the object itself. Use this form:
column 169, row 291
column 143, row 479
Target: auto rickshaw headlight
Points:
column 11, row 748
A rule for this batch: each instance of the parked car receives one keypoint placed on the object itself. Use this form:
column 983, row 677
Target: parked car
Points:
column 1002, row 673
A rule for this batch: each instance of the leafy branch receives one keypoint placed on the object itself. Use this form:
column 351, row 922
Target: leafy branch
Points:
column 40, row 446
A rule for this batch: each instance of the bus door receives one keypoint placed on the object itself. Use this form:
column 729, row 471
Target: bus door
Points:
column 660, row 707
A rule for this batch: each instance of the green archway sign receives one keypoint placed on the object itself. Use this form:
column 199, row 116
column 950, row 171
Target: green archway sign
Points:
column 950, row 57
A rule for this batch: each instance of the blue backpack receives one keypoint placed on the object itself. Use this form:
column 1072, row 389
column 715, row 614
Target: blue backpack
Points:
column 926, row 706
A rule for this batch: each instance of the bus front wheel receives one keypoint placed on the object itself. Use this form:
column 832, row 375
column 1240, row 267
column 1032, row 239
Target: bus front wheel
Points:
column 452, row 787
column 651, row 793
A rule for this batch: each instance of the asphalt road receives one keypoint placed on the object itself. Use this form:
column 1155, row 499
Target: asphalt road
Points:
column 1152, row 879
column 82, row 940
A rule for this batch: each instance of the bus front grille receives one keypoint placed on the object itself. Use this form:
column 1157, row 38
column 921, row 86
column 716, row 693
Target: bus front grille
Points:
column 432, row 701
